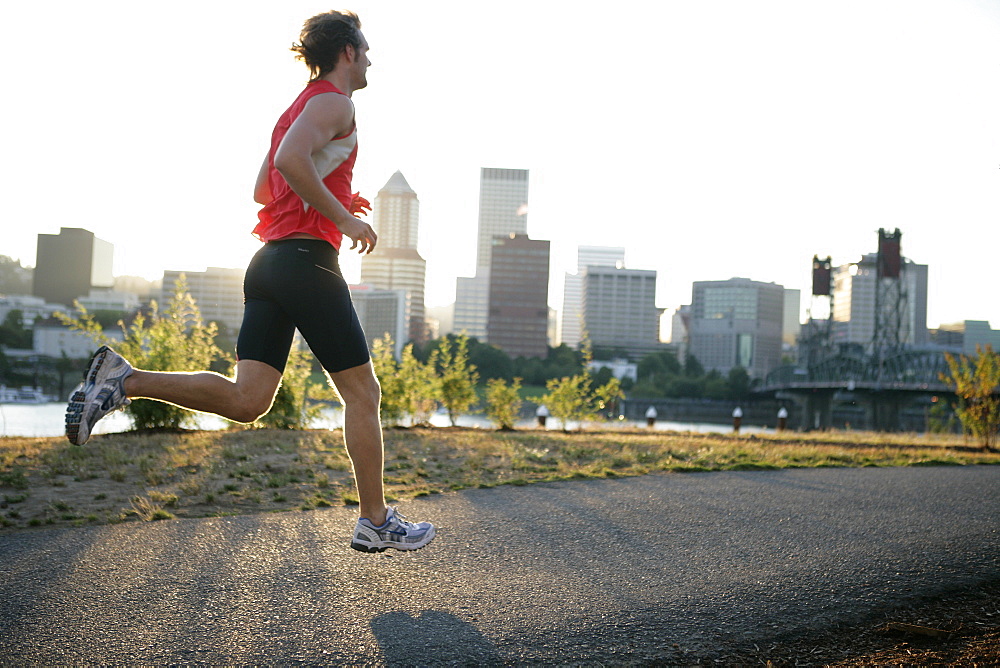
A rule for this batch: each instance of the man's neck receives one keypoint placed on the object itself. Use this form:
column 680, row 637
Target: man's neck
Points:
column 341, row 81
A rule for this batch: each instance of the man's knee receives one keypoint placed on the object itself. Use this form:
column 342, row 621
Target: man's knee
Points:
column 358, row 388
column 252, row 409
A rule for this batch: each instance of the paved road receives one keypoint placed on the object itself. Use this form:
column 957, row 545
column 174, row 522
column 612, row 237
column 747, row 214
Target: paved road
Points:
column 662, row 568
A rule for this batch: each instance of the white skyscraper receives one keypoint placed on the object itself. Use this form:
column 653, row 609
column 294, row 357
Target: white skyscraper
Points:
column 396, row 264
column 571, row 328
column 503, row 210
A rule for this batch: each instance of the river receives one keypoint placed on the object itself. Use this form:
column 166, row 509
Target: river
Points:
column 47, row 420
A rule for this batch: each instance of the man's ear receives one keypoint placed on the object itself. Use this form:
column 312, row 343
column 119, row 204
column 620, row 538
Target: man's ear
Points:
column 349, row 53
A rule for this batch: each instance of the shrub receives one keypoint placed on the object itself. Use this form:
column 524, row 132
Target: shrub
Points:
column 175, row 339
column 503, row 402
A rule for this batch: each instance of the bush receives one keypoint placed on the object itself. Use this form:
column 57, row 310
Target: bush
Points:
column 175, row 339
column 457, row 378
column 503, row 402
column 977, row 383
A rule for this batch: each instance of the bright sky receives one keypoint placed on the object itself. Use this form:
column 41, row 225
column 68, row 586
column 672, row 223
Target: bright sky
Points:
column 711, row 139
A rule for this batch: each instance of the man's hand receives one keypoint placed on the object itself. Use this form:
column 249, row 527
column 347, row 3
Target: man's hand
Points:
column 361, row 233
column 359, row 205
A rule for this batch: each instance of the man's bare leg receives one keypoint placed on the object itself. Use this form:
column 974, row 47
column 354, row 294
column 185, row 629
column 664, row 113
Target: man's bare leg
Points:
column 243, row 398
column 359, row 390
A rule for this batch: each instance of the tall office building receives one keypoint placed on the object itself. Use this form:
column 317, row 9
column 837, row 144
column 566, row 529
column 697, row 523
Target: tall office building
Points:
column 619, row 310
column 571, row 322
column 738, row 322
column 69, row 264
column 381, row 312
column 218, row 293
column 503, row 210
column 396, row 264
column 519, row 296
column 854, row 302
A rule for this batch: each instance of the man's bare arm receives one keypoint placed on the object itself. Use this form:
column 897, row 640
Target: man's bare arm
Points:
column 324, row 117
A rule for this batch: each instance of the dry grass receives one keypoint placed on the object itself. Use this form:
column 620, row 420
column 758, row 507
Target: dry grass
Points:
column 148, row 476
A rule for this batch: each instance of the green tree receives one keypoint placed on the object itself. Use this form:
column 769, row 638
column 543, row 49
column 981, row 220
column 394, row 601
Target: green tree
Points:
column 14, row 279
column 503, row 402
column 692, row 367
column 977, row 383
column 739, row 383
column 421, row 387
column 390, row 381
column 566, row 399
column 578, row 398
column 175, row 339
column 13, row 333
column 457, row 378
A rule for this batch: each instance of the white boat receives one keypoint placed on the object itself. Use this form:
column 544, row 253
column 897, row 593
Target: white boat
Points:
column 22, row 395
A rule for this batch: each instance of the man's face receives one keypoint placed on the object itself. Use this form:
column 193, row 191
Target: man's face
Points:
column 359, row 68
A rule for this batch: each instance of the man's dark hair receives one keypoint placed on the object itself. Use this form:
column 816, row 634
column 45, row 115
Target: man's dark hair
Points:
column 324, row 37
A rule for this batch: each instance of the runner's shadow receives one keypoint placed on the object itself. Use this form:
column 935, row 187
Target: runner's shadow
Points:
column 431, row 638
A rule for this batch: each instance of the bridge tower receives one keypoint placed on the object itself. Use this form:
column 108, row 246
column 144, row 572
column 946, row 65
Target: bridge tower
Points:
column 891, row 312
column 817, row 335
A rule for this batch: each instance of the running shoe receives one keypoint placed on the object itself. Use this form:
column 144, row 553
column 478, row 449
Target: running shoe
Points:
column 101, row 391
column 397, row 532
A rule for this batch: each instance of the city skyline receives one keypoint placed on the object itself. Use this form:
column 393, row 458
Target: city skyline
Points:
column 711, row 141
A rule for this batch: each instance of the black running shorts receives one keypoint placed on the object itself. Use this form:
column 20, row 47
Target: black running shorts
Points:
column 296, row 284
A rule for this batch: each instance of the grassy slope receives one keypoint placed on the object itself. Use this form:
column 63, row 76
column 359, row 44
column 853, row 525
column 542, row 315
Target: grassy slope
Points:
column 119, row 477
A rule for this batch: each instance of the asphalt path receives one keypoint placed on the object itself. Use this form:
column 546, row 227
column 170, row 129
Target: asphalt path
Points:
column 674, row 568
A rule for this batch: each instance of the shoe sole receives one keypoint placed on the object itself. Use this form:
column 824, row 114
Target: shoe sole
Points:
column 74, row 411
column 371, row 549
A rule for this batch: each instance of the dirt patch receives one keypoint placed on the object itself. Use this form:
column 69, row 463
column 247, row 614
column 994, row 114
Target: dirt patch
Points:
column 958, row 629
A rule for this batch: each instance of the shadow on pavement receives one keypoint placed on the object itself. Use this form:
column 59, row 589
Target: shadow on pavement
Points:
column 432, row 637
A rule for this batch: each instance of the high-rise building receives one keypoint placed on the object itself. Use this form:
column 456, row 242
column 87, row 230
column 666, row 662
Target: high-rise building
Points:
column 855, row 309
column 396, row 264
column 518, row 296
column 381, row 312
column 738, row 322
column 217, row 292
column 571, row 325
column 503, row 210
column 69, row 264
column 619, row 310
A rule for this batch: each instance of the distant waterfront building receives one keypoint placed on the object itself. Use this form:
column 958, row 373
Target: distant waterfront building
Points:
column 571, row 329
column 966, row 336
column 854, row 307
column 619, row 311
column 31, row 308
column 791, row 320
column 381, row 312
column 110, row 300
column 503, row 210
column 218, row 293
column 737, row 323
column 518, row 296
column 396, row 264
column 69, row 264
column 680, row 325
column 51, row 338
column 472, row 296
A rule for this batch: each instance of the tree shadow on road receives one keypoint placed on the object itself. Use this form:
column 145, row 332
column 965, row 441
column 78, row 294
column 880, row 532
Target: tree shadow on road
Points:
column 432, row 637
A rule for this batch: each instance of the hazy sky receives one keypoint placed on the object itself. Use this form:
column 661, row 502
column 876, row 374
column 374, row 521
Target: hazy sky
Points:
column 711, row 139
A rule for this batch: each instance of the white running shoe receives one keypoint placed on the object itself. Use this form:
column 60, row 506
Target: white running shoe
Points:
column 101, row 391
column 397, row 533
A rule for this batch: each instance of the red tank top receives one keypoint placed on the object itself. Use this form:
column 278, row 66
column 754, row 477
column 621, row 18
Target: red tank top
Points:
column 287, row 214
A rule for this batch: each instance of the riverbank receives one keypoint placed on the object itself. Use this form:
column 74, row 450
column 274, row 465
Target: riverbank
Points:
column 163, row 475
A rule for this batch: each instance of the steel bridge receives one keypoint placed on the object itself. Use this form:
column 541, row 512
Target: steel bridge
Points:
column 885, row 385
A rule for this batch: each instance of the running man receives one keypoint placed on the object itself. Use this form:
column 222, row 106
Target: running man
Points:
column 293, row 281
